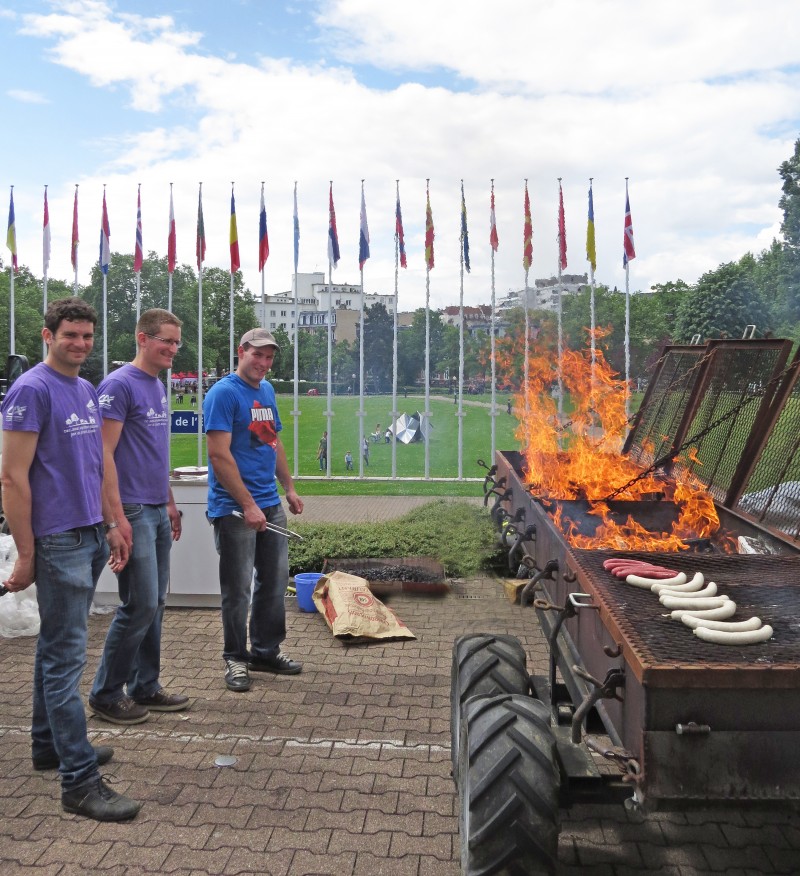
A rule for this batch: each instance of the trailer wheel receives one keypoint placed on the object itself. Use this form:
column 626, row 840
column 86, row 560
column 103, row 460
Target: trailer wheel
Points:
column 509, row 788
column 483, row 665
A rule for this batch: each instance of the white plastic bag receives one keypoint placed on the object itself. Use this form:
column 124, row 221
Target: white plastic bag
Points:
column 19, row 612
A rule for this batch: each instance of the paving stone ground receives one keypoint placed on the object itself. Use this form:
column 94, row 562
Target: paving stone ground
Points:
column 344, row 769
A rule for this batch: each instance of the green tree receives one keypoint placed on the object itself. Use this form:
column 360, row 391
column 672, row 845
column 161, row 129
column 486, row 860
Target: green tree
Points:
column 720, row 305
column 378, row 335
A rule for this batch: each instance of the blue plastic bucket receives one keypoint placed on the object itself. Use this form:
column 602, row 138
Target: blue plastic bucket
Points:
column 304, row 584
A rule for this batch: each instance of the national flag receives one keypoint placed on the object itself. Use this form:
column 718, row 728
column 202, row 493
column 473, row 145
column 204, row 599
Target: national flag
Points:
column 234, row 237
column 105, row 239
column 333, row 237
column 494, row 241
column 74, row 255
column 263, row 239
column 591, row 252
column 200, row 248
column 429, row 235
column 398, row 230
column 527, row 234
column 172, row 237
column 628, row 252
column 464, row 232
column 296, row 234
column 46, row 236
column 363, row 233
column 138, row 254
column 562, row 230
column 11, row 236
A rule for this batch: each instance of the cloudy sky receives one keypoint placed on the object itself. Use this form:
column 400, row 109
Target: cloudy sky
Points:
column 696, row 101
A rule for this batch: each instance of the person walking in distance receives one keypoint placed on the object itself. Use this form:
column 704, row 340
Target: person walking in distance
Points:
column 322, row 452
column 136, row 489
column 246, row 458
column 52, row 473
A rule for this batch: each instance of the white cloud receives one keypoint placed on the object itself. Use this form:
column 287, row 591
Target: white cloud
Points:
column 682, row 102
column 25, row 96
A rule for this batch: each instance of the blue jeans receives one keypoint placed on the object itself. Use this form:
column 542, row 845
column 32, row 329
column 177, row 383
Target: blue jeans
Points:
column 132, row 652
column 68, row 565
column 241, row 551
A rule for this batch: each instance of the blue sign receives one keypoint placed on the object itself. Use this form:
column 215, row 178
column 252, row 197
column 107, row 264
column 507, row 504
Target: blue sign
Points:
column 185, row 422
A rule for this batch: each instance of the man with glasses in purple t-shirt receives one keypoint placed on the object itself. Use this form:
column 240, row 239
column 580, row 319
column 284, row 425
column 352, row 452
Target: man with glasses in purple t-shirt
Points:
column 52, row 473
column 143, row 524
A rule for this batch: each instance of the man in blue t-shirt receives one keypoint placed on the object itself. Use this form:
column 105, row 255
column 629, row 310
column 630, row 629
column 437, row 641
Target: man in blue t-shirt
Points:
column 144, row 523
column 246, row 456
column 51, row 474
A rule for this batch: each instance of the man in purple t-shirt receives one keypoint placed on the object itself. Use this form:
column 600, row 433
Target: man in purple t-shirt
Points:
column 52, row 473
column 145, row 522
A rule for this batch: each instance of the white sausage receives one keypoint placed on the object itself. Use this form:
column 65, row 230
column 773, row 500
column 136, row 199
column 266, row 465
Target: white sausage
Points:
column 754, row 623
column 672, row 602
column 685, row 587
column 637, row 581
column 718, row 637
column 727, row 609
column 677, row 581
column 709, row 590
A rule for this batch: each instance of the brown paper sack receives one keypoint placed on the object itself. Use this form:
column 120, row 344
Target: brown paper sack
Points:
column 353, row 613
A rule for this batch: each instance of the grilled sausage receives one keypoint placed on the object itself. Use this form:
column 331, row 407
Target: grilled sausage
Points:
column 754, row 623
column 655, row 584
column 673, row 602
column 684, row 586
column 718, row 637
column 727, row 609
column 709, row 590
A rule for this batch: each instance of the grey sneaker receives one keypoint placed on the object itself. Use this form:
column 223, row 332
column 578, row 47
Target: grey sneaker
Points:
column 161, row 701
column 279, row 663
column 96, row 800
column 237, row 677
column 123, row 711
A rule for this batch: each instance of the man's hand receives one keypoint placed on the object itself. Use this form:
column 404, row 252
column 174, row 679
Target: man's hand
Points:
column 22, row 575
column 295, row 502
column 175, row 520
column 120, row 551
column 254, row 518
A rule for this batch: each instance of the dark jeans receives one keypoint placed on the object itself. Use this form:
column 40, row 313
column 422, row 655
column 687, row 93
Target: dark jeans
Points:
column 241, row 552
column 68, row 565
column 132, row 652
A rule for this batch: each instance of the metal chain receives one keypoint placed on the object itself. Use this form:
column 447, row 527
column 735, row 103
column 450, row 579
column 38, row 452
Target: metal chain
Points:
column 698, row 436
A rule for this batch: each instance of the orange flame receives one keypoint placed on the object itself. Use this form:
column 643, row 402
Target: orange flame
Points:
column 579, row 456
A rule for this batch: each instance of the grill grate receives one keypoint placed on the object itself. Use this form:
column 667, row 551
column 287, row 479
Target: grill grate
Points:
column 759, row 585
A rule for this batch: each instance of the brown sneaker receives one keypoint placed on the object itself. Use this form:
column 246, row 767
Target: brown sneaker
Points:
column 161, row 701
column 123, row 711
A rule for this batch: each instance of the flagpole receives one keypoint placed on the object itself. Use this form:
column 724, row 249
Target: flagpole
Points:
column 427, row 412
column 200, row 255
column 329, row 411
column 45, row 262
column 361, row 411
column 460, row 413
column 296, row 410
column 561, row 248
column 492, row 245
column 626, row 259
column 105, row 288
column 169, row 308
column 395, row 413
column 139, row 243
column 11, row 306
column 592, row 316
column 75, row 241
column 230, row 317
column 526, row 263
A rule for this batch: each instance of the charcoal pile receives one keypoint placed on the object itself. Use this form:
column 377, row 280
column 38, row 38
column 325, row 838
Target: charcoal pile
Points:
column 393, row 575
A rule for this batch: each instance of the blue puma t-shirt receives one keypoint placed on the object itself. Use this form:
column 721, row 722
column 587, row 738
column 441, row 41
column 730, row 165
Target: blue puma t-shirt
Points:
column 251, row 416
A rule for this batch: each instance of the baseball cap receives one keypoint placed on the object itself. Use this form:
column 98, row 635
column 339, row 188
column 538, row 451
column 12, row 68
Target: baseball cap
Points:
column 258, row 337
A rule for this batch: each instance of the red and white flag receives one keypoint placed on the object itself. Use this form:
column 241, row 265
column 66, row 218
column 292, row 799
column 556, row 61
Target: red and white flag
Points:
column 562, row 230
column 46, row 236
column 172, row 240
column 628, row 251
column 493, row 239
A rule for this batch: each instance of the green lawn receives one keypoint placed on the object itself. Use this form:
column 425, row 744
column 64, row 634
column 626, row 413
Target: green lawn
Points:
column 410, row 457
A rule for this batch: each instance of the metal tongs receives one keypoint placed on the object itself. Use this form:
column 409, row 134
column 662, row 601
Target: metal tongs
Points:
column 279, row 529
